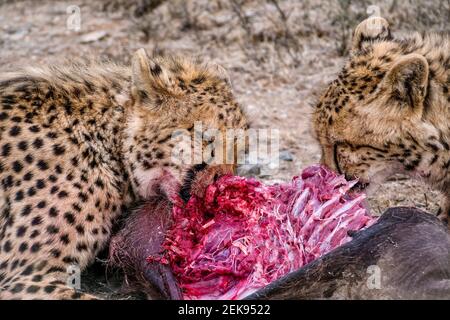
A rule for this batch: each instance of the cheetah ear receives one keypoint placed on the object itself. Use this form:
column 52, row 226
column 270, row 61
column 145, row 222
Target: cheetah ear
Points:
column 147, row 76
column 221, row 72
column 407, row 81
column 370, row 30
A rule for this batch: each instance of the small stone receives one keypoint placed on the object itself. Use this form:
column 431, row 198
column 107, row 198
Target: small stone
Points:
column 19, row 33
column 93, row 36
column 249, row 170
column 286, row 156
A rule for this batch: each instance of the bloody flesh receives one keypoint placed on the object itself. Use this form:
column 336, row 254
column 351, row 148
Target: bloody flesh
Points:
column 243, row 234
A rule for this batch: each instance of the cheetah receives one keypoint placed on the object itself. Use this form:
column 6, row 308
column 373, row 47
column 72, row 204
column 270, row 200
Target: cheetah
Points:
column 79, row 144
column 388, row 111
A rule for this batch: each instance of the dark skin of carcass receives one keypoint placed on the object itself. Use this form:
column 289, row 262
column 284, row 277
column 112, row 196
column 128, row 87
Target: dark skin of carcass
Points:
column 142, row 236
column 405, row 255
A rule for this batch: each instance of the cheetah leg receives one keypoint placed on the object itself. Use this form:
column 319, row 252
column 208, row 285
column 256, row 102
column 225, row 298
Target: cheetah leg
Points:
column 32, row 288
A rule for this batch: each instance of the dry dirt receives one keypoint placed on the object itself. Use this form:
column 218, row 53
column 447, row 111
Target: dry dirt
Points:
column 279, row 60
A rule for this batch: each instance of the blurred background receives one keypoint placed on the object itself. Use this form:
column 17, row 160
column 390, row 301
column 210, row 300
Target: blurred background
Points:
column 280, row 55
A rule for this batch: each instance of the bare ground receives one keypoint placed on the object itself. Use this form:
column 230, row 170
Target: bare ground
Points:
column 280, row 55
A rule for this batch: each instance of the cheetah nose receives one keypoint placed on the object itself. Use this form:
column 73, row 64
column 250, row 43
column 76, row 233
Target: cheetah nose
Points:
column 349, row 177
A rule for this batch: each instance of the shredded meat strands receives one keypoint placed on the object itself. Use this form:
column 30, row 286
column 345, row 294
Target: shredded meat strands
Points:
column 244, row 234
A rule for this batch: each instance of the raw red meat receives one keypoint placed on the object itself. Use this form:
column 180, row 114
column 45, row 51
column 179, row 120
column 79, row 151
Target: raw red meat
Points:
column 243, row 234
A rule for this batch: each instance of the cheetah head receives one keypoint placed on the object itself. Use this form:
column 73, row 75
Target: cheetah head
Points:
column 369, row 121
column 177, row 108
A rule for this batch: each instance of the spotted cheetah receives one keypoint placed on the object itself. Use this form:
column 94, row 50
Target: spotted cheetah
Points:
column 388, row 111
column 79, row 144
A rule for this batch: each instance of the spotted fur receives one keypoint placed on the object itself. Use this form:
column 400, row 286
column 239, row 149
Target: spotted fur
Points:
column 79, row 144
column 388, row 110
